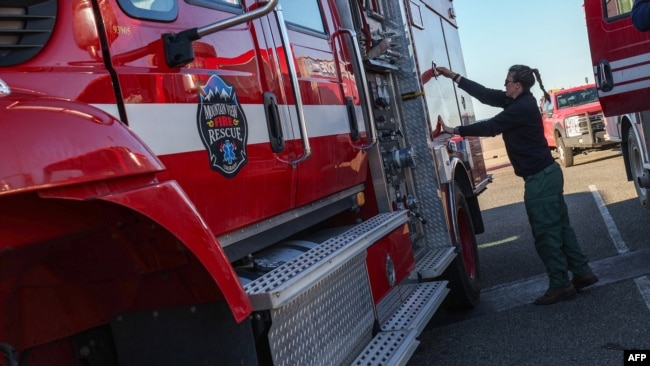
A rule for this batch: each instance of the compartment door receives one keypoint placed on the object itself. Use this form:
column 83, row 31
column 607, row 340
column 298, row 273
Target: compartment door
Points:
column 429, row 39
column 436, row 40
column 464, row 102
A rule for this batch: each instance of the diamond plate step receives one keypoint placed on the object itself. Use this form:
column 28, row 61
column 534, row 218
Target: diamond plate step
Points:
column 388, row 348
column 431, row 263
column 418, row 308
column 397, row 341
column 278, row 287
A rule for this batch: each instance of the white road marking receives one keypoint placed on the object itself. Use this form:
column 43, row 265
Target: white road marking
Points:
column 643, row 283
column 498, row 242
column 614, row 234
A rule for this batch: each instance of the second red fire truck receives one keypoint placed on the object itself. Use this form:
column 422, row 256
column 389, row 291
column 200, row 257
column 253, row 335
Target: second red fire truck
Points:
column 221, row 182
column 574, row 122
column 620, row 56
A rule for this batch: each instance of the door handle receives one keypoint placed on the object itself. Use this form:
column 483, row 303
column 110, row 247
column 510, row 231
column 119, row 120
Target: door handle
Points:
column 605, row 79
column 273, row 122
column 352, row 118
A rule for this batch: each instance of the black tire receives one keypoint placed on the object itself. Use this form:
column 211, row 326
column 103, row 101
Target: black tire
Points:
column 566, row 155
column 635, row 158
column 463, row 273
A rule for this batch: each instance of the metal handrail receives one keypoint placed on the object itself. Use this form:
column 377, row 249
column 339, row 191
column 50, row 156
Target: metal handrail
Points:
column 363, row 85
column 236, row 20
column 293, row 75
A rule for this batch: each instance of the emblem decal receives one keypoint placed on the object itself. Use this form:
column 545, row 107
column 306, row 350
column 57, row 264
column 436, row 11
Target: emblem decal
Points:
column 222, row 126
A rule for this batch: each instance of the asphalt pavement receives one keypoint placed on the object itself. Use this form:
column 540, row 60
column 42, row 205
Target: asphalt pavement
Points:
column 591, row 329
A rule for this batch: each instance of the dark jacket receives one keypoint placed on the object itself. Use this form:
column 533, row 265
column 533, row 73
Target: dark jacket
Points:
column 520, row 123
column 641, row 15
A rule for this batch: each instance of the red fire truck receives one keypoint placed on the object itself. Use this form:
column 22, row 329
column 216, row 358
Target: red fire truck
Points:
column 574, row 122
column 620, row 56
column 220, row 182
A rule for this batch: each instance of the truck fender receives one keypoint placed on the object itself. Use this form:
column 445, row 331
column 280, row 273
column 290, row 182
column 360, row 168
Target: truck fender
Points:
column 186, row 224
column 86, row 145
column 559, row 130
column 167, row 204
column 460, row 176
column 80, row 258
column 56, row 142
column 625, row 129
column 627, row 124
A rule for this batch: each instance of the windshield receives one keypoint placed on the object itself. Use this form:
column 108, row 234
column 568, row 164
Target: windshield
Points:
column 578, row 97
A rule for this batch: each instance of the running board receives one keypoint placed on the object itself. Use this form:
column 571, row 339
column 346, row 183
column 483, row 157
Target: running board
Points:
column 397, row 341
column 431, row 263
column 280, row 286
column 388, row 348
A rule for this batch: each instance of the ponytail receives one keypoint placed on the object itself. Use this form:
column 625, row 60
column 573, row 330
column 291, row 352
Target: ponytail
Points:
column 541, row 86
column 526, row 77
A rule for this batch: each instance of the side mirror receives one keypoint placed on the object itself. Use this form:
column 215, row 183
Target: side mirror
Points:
column 84, row 26
column 178, row 46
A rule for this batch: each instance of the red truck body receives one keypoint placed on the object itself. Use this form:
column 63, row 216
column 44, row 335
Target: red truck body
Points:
column 620, row 57
column 231, row 182
column 574, row 122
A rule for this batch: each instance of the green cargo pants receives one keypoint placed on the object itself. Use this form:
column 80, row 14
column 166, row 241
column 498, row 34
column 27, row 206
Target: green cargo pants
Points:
column 555, row 239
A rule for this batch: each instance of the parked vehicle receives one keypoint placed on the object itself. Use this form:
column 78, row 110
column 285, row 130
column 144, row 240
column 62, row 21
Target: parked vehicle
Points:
column 231, row 182
column 619, row 54
column 574, row 122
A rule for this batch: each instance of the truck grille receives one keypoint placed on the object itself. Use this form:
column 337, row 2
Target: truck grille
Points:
column 25, row 27
column 597, row 122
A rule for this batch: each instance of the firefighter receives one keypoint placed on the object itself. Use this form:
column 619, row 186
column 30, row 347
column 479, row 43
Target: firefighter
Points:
column 523, row 135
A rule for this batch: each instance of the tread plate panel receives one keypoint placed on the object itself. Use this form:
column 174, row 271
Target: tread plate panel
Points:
column 278, row 287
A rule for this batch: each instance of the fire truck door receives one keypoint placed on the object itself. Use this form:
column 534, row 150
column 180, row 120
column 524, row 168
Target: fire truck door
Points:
column 464, row 101
column 620, row 56
column 429, row 41
column 437, row 40
column 208, row 120
column 325, row 86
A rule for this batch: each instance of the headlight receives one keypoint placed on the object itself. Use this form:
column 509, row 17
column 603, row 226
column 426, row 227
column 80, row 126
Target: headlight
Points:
column 575, row 126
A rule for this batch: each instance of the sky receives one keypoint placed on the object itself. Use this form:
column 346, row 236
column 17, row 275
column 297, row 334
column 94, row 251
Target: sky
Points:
column 549, row 35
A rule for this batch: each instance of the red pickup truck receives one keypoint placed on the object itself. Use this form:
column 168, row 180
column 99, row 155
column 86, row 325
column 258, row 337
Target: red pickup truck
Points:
column 574, row 122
